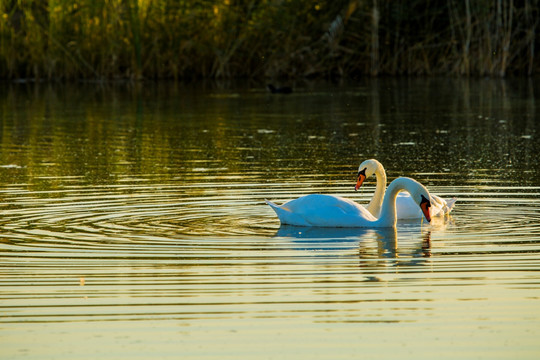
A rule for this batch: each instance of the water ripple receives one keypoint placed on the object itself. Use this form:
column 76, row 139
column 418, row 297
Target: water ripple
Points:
column 137, row 213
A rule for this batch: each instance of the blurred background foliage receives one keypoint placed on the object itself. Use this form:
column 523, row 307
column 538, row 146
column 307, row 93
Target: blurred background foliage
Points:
column 175, row 39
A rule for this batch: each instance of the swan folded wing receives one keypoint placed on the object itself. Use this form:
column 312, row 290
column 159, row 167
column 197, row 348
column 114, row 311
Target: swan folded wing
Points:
column 337, row 216
column 321, row 210
column 441, row 206
column 332, row 211
column 450, row 204
column 438, row 202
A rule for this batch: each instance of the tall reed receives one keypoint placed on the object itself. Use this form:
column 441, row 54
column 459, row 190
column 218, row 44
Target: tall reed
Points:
column 180, row 39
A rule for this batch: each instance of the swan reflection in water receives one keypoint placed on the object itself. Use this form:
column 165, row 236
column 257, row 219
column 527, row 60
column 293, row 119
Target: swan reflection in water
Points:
column 381, row 243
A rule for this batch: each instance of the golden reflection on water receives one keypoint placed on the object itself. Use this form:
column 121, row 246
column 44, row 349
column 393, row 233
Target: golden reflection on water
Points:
column 133, row 222
column 462, row 128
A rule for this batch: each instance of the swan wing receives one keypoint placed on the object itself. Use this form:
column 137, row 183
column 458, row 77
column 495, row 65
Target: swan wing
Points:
column 440, row 206
column 322, row 210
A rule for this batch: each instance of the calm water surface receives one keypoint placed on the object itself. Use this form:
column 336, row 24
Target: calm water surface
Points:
column 133, row 222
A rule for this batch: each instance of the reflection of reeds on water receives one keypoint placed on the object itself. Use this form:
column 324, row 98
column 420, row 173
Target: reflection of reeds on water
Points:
column 219, row 39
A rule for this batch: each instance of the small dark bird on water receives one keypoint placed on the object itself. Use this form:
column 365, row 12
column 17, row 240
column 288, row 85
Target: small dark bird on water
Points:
column 279, row 90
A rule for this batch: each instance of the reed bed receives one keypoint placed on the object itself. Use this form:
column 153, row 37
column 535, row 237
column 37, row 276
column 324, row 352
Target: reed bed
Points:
column 172, row 39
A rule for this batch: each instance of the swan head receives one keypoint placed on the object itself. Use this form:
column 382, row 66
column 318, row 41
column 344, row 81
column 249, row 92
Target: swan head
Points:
column 425, row 204
column 421, row 197
column 365, row 170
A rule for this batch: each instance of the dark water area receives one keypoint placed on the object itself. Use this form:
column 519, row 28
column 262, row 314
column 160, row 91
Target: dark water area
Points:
column 133, row 221
column 431, row 125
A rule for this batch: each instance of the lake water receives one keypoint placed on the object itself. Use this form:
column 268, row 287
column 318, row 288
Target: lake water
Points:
column 133, row 222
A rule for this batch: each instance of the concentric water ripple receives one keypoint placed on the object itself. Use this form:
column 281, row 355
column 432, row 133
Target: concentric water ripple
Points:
column 120, row 212
column 113, row 216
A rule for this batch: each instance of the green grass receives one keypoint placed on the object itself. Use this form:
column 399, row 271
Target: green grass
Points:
column 155, row 39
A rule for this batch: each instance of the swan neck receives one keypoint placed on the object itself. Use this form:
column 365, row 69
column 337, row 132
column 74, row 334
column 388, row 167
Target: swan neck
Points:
column 388, row 211
column 374, row 206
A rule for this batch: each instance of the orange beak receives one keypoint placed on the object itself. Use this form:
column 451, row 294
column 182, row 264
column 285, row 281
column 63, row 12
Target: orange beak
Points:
column 425, row 205
column 359, row 181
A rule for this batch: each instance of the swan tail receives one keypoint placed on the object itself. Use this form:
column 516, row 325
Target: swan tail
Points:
column 280, row 212
column 272, row 205
column 286, row 216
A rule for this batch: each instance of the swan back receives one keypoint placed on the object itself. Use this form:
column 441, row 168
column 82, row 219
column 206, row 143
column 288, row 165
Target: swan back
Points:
column 324, row 211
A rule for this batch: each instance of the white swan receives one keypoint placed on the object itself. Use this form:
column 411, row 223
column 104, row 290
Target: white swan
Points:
column 335, row 211
column 406, row 207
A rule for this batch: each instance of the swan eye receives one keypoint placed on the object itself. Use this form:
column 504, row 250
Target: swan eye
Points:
column 362, row 172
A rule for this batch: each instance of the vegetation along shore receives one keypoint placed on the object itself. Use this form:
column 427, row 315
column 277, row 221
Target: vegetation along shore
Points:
column 175, row 39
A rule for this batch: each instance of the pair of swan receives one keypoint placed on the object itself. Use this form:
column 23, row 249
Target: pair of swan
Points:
column 382, row 211
column 406, row 207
